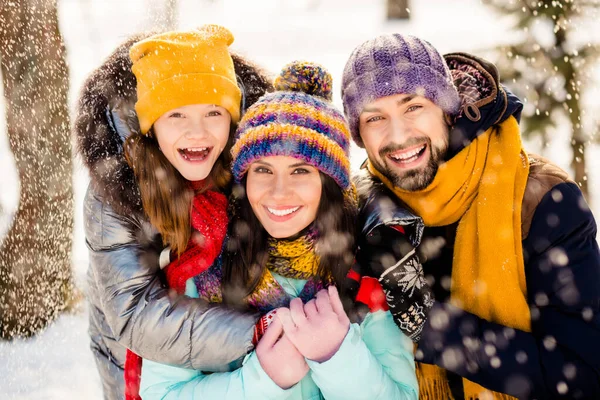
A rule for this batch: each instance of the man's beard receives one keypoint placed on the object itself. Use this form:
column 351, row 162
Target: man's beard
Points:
column 414, row 179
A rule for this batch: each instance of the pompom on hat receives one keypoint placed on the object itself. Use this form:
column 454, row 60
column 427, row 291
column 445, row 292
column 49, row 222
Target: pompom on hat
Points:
column 176, row 69
column 395, row 64
column 296, row 120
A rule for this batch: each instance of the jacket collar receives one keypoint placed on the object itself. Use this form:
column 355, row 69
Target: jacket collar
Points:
column 379, row 206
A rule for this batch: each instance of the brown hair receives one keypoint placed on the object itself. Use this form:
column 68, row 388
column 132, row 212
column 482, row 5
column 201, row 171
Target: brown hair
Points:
column 166, row 195
column 248, row 252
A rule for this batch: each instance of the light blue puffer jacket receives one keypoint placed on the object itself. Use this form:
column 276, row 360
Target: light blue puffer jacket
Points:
column 375, row 361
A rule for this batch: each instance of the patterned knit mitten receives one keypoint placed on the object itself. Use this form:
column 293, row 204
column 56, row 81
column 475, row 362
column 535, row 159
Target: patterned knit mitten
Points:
column 261, row 326
column 387, row 254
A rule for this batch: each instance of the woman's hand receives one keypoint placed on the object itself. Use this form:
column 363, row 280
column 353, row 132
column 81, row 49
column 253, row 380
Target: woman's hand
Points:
column 279, row 358
column 318, row 328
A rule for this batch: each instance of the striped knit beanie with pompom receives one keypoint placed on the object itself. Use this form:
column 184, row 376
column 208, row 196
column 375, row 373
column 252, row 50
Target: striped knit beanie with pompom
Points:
column 296, row 120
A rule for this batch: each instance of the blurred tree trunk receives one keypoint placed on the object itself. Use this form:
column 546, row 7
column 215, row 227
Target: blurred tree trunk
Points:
column 35, row 254
column 397, row 9
column 573, row 105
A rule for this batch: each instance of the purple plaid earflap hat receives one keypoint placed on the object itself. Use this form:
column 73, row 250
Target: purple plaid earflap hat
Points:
column 395, row 64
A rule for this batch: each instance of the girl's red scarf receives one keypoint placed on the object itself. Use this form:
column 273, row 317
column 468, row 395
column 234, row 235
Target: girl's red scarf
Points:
column 209, row 223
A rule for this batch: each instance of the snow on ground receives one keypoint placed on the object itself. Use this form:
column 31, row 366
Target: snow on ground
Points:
column 55, row 365
column 58, row 364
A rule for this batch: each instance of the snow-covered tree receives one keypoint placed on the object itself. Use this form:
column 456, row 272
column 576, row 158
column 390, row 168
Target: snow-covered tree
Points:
column 550, row 67
column 35, row 254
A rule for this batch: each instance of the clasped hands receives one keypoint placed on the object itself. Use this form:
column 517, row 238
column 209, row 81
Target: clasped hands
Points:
column 313, row 331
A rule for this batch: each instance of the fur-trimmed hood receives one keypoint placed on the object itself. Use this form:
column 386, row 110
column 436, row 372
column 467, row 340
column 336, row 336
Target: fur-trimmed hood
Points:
column 106, row 117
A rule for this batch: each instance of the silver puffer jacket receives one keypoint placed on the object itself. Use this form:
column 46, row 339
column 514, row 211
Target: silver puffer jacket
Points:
column 130, row 306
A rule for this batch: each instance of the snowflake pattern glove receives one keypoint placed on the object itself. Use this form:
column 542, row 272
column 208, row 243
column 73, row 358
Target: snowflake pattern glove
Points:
column 387, row 254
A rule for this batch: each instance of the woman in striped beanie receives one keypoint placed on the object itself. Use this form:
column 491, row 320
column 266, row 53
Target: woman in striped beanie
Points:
column 290, row 244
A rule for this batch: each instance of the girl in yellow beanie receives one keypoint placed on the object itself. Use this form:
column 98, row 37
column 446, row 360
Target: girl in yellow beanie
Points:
column 188, row 104
column 155, row 127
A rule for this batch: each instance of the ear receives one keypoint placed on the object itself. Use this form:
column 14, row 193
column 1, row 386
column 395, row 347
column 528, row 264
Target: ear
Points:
column 449, row 120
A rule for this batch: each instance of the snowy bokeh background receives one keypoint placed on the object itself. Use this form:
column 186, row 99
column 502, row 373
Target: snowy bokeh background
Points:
column 58, row 364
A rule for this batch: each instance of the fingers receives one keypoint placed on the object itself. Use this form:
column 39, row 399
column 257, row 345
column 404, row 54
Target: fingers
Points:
column 336, row 302
column 310, row 309
column 286, row 345
column 297, row 312
column 284, row 316
column 323, row 303
column 274, row 331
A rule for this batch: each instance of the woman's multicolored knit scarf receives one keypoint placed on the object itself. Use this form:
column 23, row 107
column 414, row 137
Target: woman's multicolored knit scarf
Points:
column 295, row 259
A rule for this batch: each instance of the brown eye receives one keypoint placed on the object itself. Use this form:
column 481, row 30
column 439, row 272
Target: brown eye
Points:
column 176, row 115
column 262, row 170
column 374, row 119
column 214, row 113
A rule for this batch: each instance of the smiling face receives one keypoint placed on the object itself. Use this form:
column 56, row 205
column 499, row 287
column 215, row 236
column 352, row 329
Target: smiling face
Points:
column 192, row 137
column 284, row 193
column 406, row 138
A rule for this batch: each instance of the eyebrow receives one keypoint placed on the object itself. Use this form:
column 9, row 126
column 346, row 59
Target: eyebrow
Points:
column 406, row 99
column 300, row 164
column 398, row 103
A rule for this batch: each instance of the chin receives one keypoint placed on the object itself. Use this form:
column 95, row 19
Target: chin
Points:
column 279, row 233
column 194, row 177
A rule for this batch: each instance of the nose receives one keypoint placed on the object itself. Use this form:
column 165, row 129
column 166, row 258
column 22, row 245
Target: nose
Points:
column 195, row 129
column 399, row 130
column 281, row 187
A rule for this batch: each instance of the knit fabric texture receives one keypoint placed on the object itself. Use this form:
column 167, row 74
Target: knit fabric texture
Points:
column 297, row 120
column 395, row 64
column 176, row 69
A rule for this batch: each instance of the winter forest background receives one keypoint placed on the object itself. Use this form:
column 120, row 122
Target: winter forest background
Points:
column 548, row 53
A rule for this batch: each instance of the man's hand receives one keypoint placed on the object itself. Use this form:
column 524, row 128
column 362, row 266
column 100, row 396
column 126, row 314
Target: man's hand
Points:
column 386, row 254
column 318, row 328
column 279, row 358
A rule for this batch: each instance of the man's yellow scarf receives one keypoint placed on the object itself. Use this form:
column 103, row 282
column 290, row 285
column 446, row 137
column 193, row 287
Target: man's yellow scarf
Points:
column 482, row 187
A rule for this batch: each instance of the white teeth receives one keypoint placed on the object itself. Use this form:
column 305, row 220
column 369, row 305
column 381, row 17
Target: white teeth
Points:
column 408, row 155
column 196, row 149
column 281, row 213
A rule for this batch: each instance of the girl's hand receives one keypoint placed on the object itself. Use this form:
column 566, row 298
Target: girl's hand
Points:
column 279, row 358
column 318, row 328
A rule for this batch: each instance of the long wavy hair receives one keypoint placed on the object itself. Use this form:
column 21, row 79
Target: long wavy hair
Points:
column 247, row 250
column 166, row 195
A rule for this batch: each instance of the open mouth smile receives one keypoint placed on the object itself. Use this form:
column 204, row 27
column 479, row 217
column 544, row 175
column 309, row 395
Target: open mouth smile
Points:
column 410, row 157
column 280, row 214
column 195, row 154
column 283, row 212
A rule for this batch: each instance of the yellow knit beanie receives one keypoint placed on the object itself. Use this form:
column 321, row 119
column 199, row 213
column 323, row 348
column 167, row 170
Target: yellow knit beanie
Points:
column 175, row 69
